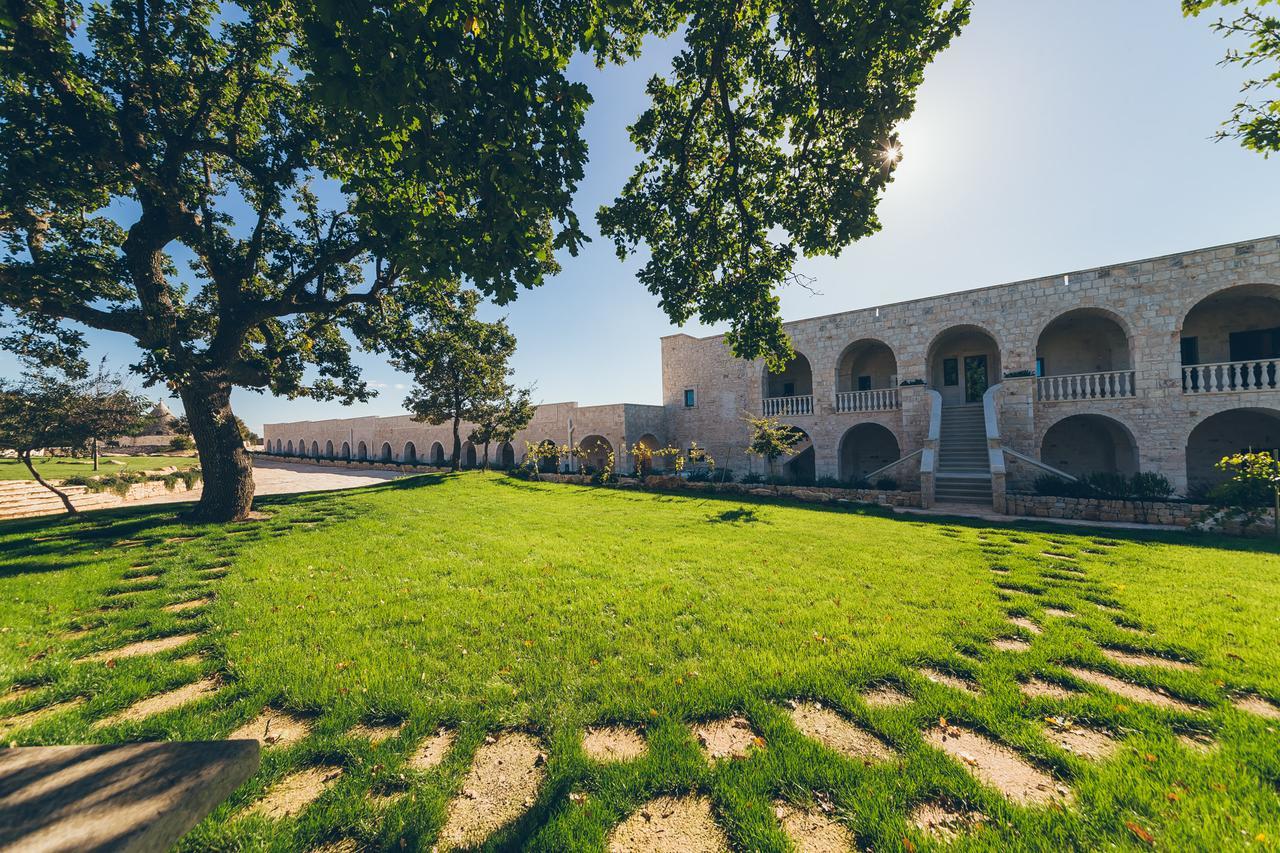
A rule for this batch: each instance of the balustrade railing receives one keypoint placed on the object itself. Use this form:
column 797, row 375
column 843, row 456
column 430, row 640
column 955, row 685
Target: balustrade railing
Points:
column 1229, row 376
column 1085, row 386
column 874, row 400
column 788, row 406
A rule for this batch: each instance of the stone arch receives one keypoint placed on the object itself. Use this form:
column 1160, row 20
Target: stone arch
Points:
column 468, row 455
column 302, row 447
column 328, row 450
column 1224, row 433
column 794, row 380
column 290, row 446
column 437, row 454
column 315, row 449
column 362, row 451
column 1085, row 340
column 595, row 452
column 867, row 447
column 1089, row 443
column 386, row 455
column 409, row 455
column 346, row 450
column 650, row 442
column 963, row 361
column 865, row 365
column 547, row 464
column 801, row 467
column 1229, row 326
column 506, row 455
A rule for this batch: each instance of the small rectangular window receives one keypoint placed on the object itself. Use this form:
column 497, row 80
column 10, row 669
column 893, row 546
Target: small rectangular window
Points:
column 864, row 383
column 1039, row 367
column 690, row 398
column 950, row 371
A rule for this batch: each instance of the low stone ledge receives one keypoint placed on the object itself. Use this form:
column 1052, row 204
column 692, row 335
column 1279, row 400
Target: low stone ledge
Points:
column 1176, row 513
column 364, row 465
column 808, row 494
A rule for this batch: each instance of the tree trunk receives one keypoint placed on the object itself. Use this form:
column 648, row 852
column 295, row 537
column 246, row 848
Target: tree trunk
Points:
column 225, row 466
column 484, row 466
column 95, row 454
column 62, row 496
column 457, row 446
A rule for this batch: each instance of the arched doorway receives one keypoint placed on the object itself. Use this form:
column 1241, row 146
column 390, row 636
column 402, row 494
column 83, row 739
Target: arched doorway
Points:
column 1226, row 433
column 302, row 447
column 547, row 461
column 315, row 449
column 507, row 455
column 362, row 451
column 866, row 448
column 328, row 450
column 790, row 391
column 963, row 362
column 290, row 447
column 1090, row 444
column 437, row 454
column 1231, row 341
column 866, row 377
column 410, row 454
column 468, row 455
column 801, row 466
column 346, row 451
column 1084, row 354
column 595, row 453
column 648, row 463
column 386, row 452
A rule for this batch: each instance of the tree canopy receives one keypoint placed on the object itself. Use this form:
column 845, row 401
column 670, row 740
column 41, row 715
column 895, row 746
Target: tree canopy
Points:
column 247, row 189
column 1254, row 121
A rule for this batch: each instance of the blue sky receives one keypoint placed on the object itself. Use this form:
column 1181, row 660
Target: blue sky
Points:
column 1050, row 137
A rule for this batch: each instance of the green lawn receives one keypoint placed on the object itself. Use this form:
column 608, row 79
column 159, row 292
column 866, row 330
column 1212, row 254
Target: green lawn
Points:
column 59, row 468
column 480, row 603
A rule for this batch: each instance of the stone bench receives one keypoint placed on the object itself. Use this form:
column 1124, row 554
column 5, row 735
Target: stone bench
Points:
column 126, row 797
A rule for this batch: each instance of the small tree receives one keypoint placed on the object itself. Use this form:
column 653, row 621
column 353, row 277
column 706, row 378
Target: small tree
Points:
column 458, row 362
column 498, row 420
column 1256, row 123
column 1255, row 471
column 771, row 438
column 49, row 411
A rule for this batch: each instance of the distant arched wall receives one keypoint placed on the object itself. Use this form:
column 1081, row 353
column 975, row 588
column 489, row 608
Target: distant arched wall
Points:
column 1086, row 444
column 386, row 455
column 409, row 455
column 346, row 450
column 362, row 451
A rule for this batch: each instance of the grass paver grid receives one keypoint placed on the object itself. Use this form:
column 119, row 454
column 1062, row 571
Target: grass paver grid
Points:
column 476, row 605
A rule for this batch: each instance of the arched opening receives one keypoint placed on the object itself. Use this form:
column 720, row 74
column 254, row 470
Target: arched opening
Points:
column 547, row 460
column 346, row 451
column 328, row 450
column 1233, row 431
column 385, row 456
column 801, row 466
column 649, row 463
column 595, row 453
column 362, row 451
column 1088, row 444
column 437, row 454
column 865, row 366
column 289, row 449
column 409, row 455
column 790, row 391
column 866, row 448
column 315, row 449
column 468, row 455
column 1084, row 354
column 302, row 447
column 963, row 362
column 507, row 455
column 1231, row 341
column 279, row 445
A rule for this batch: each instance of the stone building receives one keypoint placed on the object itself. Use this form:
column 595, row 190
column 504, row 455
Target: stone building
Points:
column 1159, row 365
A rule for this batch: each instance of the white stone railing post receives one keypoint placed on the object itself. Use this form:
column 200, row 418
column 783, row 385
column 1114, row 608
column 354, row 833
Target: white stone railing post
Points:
column 787, row 407
column 874, row 400
column 1230, row 376
column 1105, row 384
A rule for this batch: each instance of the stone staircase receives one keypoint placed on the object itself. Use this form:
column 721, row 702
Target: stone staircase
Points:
column 964, row 467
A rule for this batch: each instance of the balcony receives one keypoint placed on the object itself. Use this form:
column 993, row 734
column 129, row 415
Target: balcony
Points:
column 1230, row 377
column 787, row 407
column 875, row 400
column 1102, row 385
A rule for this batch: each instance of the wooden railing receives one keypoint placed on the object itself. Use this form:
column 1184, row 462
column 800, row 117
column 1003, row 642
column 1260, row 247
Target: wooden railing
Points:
column 1229, row 376
column 1085, row 386
column 875, row 400
column 788, row 406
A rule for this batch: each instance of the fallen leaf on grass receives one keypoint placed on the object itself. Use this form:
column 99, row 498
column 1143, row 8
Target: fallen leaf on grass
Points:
column 1140, row 833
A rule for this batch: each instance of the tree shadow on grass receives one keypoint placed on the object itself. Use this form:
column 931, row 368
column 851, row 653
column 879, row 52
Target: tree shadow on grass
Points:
column 741, row 515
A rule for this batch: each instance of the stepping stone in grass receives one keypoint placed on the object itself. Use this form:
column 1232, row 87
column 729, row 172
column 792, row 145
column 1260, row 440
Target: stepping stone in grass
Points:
column 885, row 696
column 1054, row 555
column 1251, row 703
column 18, row 691
column 1128, row 690
column 1059, row 612
column 1034, row 688
column 376, row 733
column 342, row 845
column 670, row 825
column 30, row 718
column 183, row 606
column 503, row 783
column 149, row 707
column 433, row 750
column 812, row 830
column 1010, row 644
column 1025, row 624
column 731, row 737
column 1079, row 740
column 998, row 766
column 295, row 792
column 838, row 734
column 142, row 579
column 1121, row 656
column 613, row 743
column 945, row 823
column 1109, row 608
column 273, row 728
column 1000, row 570
column 173, row 539
column 948, row 680
column 144, row 647
column 1198, row 742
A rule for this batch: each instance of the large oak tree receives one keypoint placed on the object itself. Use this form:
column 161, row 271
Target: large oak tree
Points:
column 247, row 188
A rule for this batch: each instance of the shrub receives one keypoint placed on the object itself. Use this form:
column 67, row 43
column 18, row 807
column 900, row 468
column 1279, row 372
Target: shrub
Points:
column 724, row 475
column 181, row 442
column 1054, row 486
column 776, row 480
column 1150, row 486
column 1242, row 494
column 751, row 478
column 887, row 484
column 699, row 475
column 859, row 482
column 1110, row 486
column 830, row 483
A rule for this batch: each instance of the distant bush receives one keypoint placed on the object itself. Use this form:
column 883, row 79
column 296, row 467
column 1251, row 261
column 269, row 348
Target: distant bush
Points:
column 859, row 482
column 699, row 475
column 887, row 484
column 751, row 478
column 830, row 483
column 181, row 442
column 1107, row 486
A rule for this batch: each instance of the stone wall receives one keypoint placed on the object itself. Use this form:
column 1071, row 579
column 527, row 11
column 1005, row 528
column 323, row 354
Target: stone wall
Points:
column 809, row 494
column 1198, row 516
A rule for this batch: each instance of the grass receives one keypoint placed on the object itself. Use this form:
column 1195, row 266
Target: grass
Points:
column 60, row 468
column 482, row 603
